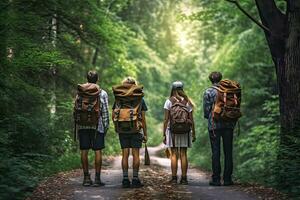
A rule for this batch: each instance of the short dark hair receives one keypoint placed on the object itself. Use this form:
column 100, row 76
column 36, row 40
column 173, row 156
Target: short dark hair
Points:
column 215, row 77
column 92, row 77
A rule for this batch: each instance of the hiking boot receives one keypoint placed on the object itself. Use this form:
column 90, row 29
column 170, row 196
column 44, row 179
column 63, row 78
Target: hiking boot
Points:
column 215, row 183
column 228, row 183
column 173, row 180
column 87, row 180
column 184, row 181
column 126, row 183
column 136, row 183
column 98, row 182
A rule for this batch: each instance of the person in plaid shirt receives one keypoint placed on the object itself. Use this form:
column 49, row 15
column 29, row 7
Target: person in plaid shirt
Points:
column 90, row 139
column 217, row 130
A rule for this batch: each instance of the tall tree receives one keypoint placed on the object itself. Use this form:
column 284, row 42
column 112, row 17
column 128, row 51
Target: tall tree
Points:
column 282, row 32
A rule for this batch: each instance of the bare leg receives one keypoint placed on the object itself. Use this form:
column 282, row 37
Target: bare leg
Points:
column 98, row 161
column 174, row 161
column 136, row 158
column 184, row 161
column 85, row 161
column 125, row 156
column 136, row 165
column 85, row 166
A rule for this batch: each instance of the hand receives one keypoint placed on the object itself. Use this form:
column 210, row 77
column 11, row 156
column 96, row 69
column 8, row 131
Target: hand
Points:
column 165, row 139
column 193, row 138
column 145, row 139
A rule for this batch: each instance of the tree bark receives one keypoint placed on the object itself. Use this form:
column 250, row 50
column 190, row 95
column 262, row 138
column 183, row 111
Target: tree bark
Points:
column 94, row 61
column 290, row 75
column 290, row 100
column 53, row 69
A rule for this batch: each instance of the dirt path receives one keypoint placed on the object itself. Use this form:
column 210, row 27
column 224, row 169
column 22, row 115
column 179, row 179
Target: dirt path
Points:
column 198, row 187
column 68, row 185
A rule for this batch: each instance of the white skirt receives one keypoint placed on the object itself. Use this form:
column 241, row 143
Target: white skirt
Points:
column 180, row 140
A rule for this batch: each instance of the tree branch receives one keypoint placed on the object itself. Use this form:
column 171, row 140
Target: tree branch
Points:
column 272, row 17
column 249, row 16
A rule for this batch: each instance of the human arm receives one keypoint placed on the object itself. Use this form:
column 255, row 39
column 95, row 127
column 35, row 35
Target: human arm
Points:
column 166, row 121
column 104, row 111
column 144, row 126
column 193, row 127
column 207, row 103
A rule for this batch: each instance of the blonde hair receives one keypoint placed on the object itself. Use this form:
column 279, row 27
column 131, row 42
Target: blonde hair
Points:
column 129, row 80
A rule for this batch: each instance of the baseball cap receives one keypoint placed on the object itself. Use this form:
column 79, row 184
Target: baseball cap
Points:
column 177, row 85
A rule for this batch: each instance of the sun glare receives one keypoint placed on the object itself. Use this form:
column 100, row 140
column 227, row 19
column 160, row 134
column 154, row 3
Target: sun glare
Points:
column 182, row 39
column 183, row 29
column 182, row 36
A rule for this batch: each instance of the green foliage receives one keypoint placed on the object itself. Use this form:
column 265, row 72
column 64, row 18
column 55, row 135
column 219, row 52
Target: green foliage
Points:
column 257, row 151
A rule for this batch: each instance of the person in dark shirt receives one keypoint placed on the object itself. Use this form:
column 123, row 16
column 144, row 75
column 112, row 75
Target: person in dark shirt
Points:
column 134, row 142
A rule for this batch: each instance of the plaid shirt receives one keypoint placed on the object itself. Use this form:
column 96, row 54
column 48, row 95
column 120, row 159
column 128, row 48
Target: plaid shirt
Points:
column 209, row 98
column 103, row 124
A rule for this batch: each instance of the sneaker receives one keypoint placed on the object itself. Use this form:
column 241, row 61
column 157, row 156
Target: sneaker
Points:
column 184, row 181
column 228, row 183
column 214, row 183
column 98, row 182
column 136, row 183
column 126, row 183
column 87, row 180
column 173, row 180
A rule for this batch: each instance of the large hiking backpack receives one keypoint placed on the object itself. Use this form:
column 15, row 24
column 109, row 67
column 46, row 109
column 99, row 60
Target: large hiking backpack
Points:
column 180, row 122
column 87, row 105
column 127, row 110
column 228, row 102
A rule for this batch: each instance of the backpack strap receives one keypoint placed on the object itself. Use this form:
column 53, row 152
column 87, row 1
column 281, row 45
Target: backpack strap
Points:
column 217, row 88
column 175, row 100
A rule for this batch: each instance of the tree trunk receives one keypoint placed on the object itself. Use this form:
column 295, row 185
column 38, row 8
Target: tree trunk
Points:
column 94, row 60
column 290, row 74
column 289, row 85
column 53, row 70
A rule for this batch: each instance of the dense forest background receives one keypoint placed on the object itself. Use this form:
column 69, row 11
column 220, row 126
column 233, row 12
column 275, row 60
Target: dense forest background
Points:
column 46, row 48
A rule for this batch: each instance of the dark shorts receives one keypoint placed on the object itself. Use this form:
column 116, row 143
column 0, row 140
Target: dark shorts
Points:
column 90, row 139
column 132, row 140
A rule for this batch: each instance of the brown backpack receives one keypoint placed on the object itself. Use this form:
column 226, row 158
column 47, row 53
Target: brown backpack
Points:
column 127, row 111
column 228, row 102
column 87, row 105
column 180, row 122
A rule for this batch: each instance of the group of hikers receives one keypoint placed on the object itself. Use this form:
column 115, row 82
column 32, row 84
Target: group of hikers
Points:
column 221, row 106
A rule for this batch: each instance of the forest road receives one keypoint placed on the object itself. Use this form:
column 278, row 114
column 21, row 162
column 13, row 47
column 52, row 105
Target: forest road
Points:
column 155, row 178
